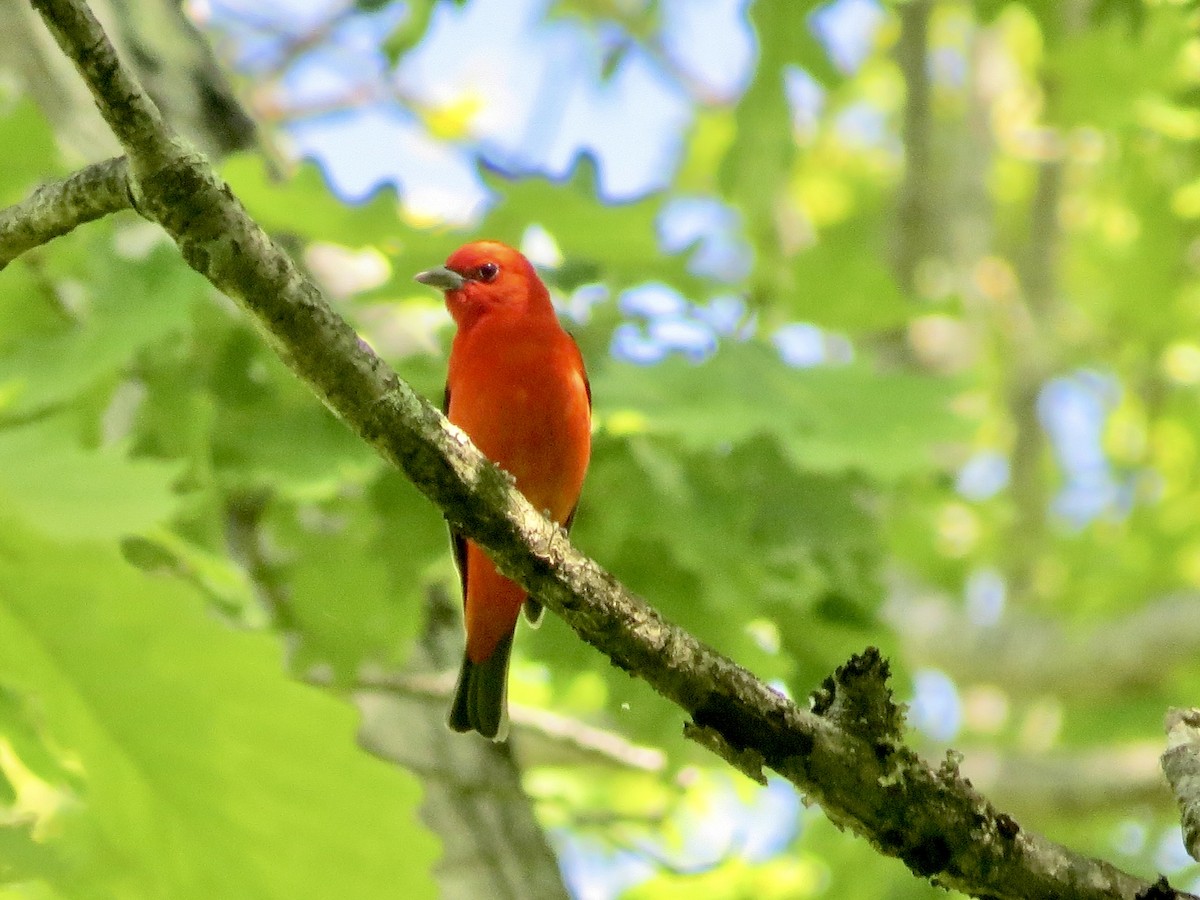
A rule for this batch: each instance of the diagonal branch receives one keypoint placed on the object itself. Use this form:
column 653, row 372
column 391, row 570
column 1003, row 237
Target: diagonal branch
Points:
column 846, row 754
column 55, row 209
column 1181, row 765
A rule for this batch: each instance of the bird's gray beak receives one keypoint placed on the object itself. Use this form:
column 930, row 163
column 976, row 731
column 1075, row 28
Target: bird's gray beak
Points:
column 441, row 278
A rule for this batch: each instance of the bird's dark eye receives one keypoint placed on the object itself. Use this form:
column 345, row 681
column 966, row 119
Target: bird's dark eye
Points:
column 488, row 271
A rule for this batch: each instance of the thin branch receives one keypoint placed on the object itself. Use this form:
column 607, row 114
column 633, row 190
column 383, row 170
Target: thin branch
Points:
column 1032, row 364
column 1028, row 654
column 916, row 231
column 1062, row 784
column 556, row 739
column 128, row 110
column 61, row 206
column 858, row 771
column 492, row 845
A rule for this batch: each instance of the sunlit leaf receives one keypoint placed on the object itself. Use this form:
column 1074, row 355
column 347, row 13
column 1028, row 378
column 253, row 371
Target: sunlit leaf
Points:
column 130, row 304
column 67, row 491
column 304, row 205
column 205, row 771
column 827, row 419
column 842, row 283
column 23, row 126
column 617, row 242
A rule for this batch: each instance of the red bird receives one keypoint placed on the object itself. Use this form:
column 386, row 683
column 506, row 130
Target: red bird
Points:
column 518, row 388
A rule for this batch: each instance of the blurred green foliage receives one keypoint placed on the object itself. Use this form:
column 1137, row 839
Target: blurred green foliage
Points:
column 152, row 740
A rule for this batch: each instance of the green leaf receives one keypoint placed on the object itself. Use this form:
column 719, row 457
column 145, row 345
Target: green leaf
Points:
column 756, row 170
column 28, row 309
column 613, row 242
column 840, row 283
column 266, row 429
column 738, row 548
column 1132, row 68
column 571, row 211
column 409, row 32
column 67, row 491
column 206, row 772
column 1131, row 11
column 751, row 527
column 636, row 19
column 359, row 571
column 24, row 730
column 22, row 858
column 827, row 419
column 304, row 205
column 222, row 580
column 34, row 153
column 1047, row 13
column 1116, row 265
column 261, row 444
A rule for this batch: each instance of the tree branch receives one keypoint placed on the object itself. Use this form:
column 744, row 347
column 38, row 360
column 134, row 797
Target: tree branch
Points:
column 1070, row 785
column 1028, row 654
column 547, row 739
column 1181, row 765
column 916, row 234
column 55, row 209
column 855, row 768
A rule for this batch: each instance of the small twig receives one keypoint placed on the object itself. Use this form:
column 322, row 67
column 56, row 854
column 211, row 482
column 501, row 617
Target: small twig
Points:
column 59, row 207
column 575, row 738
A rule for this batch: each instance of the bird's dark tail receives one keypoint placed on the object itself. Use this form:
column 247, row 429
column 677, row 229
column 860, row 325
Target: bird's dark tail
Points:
column 481, row 697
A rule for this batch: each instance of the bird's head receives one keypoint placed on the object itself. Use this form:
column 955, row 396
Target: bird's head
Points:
column 485, row 278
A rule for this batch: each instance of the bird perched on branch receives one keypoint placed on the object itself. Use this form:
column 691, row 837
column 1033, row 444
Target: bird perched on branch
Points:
column 518, row 388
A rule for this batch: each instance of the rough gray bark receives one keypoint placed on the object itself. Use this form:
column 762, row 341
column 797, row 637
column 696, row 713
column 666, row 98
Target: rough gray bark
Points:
column 1181, row 765
column 55, row 209
column 846, row 753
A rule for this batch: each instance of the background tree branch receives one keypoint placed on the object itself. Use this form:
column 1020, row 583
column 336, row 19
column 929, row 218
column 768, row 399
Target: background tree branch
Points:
column 847, row 754
column 169, row 55
column 493, row 845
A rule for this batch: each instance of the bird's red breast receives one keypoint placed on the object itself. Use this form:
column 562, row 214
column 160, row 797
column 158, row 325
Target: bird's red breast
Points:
column 518, row 388
column 519, row 391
